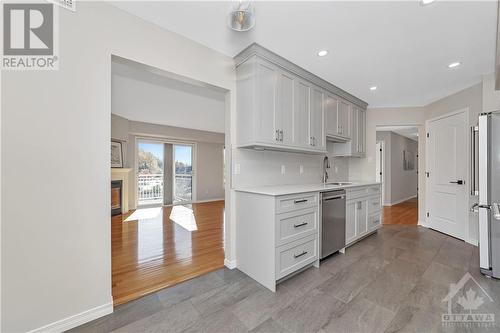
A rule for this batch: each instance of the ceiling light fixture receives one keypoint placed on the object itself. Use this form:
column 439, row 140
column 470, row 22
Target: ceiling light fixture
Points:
column 373, row 88
column 241, row 17
column 426, row 2
column 322, row 53
column 454, row 64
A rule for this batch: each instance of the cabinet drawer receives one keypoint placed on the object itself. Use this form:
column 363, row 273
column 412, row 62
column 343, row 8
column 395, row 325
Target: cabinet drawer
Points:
column 374, row 190
column 355, row 193
column 296, row 202
column 374, row 205
column 374, row 221
column 293, row 256
column 295, row 225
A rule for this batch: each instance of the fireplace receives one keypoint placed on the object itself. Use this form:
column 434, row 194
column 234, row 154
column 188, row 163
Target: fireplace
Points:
column 116, row 197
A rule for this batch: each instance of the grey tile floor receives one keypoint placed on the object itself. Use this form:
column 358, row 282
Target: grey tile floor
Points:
column 392, row 281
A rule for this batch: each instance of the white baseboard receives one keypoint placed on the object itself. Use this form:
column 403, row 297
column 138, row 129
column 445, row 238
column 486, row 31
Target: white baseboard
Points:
column 231, row 264
column 76, row 320
column 209, row 200
column 423, row 223
column 474, row 242
column 402, row 200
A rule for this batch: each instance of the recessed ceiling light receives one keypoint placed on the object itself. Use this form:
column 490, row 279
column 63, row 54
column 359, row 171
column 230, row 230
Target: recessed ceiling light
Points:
column 454, row 64
column 373, row 88
column 426, row 2
column 322, row 53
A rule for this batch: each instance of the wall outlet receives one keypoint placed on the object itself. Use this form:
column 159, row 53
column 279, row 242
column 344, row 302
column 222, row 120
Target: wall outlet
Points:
column 283, row 170
column 237, row 169
column 301, row 169
column 336, row 169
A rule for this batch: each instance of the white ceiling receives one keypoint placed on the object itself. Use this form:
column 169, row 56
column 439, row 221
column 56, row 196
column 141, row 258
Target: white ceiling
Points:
column 400, row 46
column 141, row 95
column 411, row 132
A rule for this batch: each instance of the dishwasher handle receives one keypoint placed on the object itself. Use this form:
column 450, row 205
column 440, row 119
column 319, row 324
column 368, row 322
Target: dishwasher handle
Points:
column 334, row 198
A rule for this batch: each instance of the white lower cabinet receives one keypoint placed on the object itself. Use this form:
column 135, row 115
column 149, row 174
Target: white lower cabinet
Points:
column 363, row 212
column 276, row 235
column 279, row 235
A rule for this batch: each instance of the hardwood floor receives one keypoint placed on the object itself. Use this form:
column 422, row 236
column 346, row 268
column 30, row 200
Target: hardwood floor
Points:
column 405, row 213
column 154, row 248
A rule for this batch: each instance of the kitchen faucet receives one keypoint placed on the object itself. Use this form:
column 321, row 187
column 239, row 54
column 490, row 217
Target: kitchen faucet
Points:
column 326, row 165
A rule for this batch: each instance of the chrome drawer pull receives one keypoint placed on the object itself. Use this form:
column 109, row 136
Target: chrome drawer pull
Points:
column 300, row 201
column 300, row 225
column 300, row 255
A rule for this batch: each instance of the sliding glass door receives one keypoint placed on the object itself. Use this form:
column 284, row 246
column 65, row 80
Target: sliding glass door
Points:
column 164, row 173
column 150, row 173
column 183, row 174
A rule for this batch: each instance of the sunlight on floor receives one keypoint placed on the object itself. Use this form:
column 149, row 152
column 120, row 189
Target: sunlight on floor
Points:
column 144, row 214
column 184, row 217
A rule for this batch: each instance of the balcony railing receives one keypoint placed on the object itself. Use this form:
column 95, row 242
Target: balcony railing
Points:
column 150, row 188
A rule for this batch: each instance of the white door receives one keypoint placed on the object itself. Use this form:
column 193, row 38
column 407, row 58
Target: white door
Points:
column 350, row 221
column 447, row 167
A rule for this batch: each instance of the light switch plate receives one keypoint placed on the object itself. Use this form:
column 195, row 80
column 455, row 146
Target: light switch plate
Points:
column 301, row 169
column 283, row 170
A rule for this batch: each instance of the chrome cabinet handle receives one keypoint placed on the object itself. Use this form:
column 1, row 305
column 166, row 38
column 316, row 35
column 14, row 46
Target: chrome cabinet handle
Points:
column 300, row 201
column 458, row 182
column 300, row 225
column 277, row 135
column 300, row 255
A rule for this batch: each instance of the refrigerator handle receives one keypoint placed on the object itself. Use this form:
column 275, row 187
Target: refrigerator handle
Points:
column 474, row 190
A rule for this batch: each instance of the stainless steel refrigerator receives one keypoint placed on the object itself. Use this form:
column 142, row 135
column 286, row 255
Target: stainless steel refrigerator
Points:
column 486, row 174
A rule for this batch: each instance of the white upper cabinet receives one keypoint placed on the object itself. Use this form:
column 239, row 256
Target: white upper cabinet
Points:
column 301, row 113
column 331, row 114
column 266, row 111
column 316, row 120
column 343, row 123
column 356, row 147
column 280, row 106
column 284, row 116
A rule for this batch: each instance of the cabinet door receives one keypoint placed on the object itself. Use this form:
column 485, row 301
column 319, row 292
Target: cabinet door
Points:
column 301, row 114
column 354, row 112
column 316, row 115
column 350, row 222
column 343, row 119
column 265, row 85
column 284, row 108
column 361, row 131
column 331, row 112
column 361, row 218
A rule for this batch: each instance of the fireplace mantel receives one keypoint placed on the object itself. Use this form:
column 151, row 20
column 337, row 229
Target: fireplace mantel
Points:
column 123, row 175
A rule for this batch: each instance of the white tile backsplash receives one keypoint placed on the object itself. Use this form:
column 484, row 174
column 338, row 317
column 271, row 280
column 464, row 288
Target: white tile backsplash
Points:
column 258, row 168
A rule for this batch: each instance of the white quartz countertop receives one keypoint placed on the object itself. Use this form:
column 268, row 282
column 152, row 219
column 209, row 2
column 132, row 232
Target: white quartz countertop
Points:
column 277, row 190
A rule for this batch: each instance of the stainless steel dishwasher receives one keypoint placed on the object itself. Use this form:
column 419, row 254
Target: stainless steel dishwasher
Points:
column 332, row 222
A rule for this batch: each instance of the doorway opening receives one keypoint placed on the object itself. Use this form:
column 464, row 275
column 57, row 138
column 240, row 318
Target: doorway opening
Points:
column 168, row 136
column 397, row 169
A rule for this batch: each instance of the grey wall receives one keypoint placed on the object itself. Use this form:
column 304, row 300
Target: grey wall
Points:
column 208, row 166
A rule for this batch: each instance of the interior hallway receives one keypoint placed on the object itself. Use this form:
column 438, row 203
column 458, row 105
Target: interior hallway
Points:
column 405, row 213
column 154, row 248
